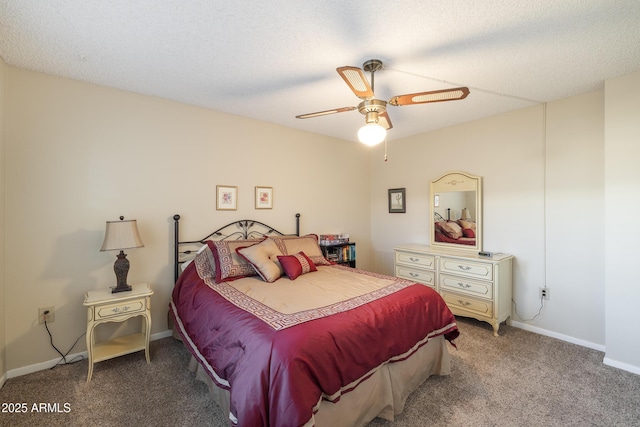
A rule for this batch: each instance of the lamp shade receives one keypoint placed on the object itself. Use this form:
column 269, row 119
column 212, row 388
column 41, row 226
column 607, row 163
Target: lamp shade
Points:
column 121, row 235
column 465, row 214
column 372, row 134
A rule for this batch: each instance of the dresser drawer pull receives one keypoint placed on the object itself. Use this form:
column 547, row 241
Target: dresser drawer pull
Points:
column 412, row 274
column 464, row 267
column 118, row 309
column 464, row 285
column 412, row 259
column 465, row 303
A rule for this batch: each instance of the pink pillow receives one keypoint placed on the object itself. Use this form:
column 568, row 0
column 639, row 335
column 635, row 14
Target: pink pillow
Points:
column 296, row 265
column 468, row 232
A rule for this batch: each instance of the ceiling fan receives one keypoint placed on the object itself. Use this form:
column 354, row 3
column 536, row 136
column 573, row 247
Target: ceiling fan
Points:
column 375, row 110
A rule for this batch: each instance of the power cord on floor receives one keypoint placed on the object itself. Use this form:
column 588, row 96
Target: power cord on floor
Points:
column 63, row 356
column 515, row 308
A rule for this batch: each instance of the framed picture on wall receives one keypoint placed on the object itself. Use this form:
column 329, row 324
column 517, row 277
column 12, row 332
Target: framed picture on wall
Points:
column 264, row 197
column 397, row 201
column 226, row 198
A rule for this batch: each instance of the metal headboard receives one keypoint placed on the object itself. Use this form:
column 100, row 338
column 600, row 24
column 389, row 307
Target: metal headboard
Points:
column 437, row 217
column 242, row 229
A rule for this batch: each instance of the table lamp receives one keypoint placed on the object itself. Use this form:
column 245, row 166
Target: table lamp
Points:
column 121, row 235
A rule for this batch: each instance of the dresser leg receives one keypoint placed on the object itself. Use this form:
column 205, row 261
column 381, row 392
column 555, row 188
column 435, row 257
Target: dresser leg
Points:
column 496, row 326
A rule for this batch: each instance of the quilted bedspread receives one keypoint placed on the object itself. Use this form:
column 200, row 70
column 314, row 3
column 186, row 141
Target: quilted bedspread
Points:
column 282, row 347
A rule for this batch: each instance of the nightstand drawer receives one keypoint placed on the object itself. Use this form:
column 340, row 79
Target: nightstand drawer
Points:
column 479, row 270
column 470, row 287
column 483, row 308
column 425, row 277
column 419, row 260
column 122, row 308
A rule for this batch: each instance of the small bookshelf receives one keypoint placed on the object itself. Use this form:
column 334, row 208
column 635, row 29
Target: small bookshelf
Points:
column 337, row 248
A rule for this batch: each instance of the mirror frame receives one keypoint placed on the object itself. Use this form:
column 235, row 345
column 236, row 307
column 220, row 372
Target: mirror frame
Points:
column 454, row 182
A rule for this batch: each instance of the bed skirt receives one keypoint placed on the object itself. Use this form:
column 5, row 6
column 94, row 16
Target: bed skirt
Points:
column 381, row 395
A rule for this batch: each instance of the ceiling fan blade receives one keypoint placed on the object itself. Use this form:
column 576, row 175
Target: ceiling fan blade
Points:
column 324, row 113
column 357, row 81
column 434, row 96
column 384, row 121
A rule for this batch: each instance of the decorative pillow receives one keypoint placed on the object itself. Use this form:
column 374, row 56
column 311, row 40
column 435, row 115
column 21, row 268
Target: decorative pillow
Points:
column 205, row 261
column 450, row 229
column 263, row 257
column 290, row 245
column 229, row 265
column 296, row 265
column 468, row 232
column 467, row 224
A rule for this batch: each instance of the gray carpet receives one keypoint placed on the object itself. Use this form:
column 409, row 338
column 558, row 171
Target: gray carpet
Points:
column 517, row 379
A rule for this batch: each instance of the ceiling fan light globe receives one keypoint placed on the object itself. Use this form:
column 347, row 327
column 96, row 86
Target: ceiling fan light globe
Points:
column 372, row 134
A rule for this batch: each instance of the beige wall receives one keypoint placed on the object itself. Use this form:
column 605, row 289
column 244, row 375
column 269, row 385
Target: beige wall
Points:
column 622, row 183
column 542, row 203
column 3, row 305
column 79, row 154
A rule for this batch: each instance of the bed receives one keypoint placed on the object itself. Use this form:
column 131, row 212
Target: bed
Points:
column 461, row 232
column 283, row 337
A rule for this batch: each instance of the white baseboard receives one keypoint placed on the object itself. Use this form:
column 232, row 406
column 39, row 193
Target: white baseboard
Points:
column 49, row 363
column 556, row 335
column 620, row 365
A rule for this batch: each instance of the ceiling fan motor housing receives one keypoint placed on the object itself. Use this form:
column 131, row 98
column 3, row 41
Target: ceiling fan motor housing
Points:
column 371, row 108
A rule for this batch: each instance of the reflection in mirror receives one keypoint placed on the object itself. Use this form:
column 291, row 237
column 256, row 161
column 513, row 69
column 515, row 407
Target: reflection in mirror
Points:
column 456, row 211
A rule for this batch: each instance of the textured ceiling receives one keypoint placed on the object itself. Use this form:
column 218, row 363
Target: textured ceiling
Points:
column 272, row 60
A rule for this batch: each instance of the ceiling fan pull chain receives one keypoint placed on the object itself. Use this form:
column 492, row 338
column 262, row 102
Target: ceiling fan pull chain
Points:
column 385, row 149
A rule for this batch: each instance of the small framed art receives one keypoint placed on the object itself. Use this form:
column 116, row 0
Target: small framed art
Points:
column 264, row 197
column 397, row 201
column 226, row 198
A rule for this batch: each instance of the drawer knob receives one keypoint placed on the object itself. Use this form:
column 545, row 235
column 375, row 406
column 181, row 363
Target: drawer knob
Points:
column 118, row 309
column 464, row 285
column 464, row 267
column 414, row 259
column 412, row 274
column 465, row 303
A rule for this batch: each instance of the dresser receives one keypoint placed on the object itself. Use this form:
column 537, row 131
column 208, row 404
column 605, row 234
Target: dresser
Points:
column 471, row 285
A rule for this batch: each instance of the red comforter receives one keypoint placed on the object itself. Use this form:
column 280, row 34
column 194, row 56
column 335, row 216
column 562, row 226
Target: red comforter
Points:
column 278, row 377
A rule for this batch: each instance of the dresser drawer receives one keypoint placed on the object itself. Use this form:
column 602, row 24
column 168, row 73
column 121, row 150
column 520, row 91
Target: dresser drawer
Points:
column 419, row 260
column 119, row 309
column 479, row 270
column 425, row 277
column 466, row 286
column 477, row 306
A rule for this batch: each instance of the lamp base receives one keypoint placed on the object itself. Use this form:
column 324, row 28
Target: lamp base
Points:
column 121, row 267
column 124, row 288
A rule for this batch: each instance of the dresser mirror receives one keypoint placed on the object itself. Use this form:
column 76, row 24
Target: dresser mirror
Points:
column 456, row 212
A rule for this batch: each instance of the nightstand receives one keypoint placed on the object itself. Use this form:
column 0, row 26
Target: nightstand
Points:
column 104, row 306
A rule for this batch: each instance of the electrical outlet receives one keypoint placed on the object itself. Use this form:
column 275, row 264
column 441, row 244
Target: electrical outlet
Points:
column 545, row 293
column 49, row 317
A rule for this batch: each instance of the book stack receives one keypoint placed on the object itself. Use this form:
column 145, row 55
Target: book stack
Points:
column 333, row 239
